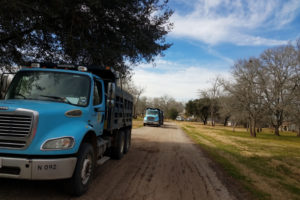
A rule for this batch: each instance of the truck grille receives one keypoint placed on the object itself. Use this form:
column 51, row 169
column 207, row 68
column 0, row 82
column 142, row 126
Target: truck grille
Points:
column 16, row 129
column 15, row 125
column 150, row 118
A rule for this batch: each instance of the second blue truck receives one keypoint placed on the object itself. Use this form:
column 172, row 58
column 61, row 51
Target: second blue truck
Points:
column 154, row 116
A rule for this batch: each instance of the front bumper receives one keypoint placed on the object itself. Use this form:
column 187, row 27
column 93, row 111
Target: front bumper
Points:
column 37, row 169
column 151, row 122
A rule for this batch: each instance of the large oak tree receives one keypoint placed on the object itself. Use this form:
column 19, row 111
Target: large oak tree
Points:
column 109, row 32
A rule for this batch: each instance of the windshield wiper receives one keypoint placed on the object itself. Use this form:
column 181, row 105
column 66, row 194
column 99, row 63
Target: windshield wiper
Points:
column 62, row 99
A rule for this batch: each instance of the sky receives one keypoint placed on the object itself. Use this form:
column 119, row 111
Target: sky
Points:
column 209, row 36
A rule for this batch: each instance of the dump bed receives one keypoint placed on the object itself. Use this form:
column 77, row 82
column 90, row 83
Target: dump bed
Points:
column 122, row 111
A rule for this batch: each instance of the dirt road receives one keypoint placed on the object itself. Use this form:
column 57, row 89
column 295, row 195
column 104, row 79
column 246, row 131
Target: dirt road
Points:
column 162, row 164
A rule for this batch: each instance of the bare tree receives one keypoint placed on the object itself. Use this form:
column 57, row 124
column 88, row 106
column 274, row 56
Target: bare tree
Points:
column 230, row 106
column 226, row 108
column 142, row 105
column 213, row 94
column 278, row 79
column 246, row 92
column 136, row 91
column 294, row 108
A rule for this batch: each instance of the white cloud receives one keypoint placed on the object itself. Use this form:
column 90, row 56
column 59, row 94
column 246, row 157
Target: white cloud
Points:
column 182, row 84
column 235, row 21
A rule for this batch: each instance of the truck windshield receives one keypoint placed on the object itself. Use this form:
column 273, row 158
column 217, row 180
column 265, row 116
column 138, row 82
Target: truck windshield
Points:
column 151, row 112
column 50, row 86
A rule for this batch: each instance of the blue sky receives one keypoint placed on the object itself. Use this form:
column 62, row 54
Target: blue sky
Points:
column 209, row 36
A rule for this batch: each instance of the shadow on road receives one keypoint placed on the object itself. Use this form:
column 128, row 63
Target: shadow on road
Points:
column 169, row 126
column 162, row 157
column 23, row 189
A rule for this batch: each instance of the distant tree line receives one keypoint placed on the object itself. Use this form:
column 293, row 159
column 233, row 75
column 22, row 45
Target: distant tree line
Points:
column 167, row 104
column 264, row 91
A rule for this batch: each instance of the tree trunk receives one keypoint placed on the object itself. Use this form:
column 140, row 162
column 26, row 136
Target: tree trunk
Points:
column 233, row 127
column 259, row 129
column 205, row 121
column 252, row 127
column 298, row 132
column 247, row 127
column 226, row 121
column 134, row 112
column 211, row 118
column 277, row 130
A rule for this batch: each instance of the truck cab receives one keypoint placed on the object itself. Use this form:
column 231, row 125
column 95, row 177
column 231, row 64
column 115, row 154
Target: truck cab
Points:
column 59, row 121
column 153, row 116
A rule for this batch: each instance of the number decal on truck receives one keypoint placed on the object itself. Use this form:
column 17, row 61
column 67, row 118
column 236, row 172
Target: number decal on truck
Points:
column 46, row 167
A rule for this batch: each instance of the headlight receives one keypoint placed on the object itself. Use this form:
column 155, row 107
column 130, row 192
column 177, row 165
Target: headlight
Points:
column 58, row 143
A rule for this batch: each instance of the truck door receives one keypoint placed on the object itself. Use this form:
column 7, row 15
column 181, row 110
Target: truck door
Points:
column 98, row 107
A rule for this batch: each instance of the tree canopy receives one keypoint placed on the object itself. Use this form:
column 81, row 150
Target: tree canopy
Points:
column 200, row 108
column 108, row 32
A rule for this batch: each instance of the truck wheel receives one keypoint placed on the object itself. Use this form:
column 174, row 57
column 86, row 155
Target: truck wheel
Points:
column 117, row 150
column 127, row 140
column 84, row 171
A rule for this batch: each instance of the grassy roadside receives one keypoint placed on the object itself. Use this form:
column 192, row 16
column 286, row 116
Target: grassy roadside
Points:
column 268, row 166
column 137, row 123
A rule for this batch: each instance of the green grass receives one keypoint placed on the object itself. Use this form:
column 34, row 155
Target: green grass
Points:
column 266, row 160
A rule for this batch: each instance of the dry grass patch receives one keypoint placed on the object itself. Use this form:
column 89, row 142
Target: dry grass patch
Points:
column 268, row 166
column 137, row 123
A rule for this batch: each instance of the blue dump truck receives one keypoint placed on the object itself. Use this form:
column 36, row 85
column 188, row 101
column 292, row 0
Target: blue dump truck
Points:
column 154, row 116
column 60, row 121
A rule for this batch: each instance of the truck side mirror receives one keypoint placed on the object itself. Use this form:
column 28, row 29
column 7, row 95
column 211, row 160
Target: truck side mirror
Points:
column 5, row 81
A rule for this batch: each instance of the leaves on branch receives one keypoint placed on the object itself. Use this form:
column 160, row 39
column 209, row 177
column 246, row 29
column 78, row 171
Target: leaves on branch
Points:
column 108, row 32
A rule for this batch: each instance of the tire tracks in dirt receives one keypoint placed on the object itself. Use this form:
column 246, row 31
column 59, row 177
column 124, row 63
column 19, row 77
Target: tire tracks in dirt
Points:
column 162, row 164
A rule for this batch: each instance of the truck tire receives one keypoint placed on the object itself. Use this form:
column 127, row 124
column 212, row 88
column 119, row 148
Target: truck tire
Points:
column 84, row 171
column 117, row 150
column 127, row 140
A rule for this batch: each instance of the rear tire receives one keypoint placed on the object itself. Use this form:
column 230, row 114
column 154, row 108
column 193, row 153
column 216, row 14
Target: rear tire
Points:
column 84, row 171
column 117, row 150
column 127, row 140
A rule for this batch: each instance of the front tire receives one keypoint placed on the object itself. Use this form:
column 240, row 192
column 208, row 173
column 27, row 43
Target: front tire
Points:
column 84, row 171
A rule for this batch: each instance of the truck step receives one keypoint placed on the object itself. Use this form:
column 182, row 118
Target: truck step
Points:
column 103, row 160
